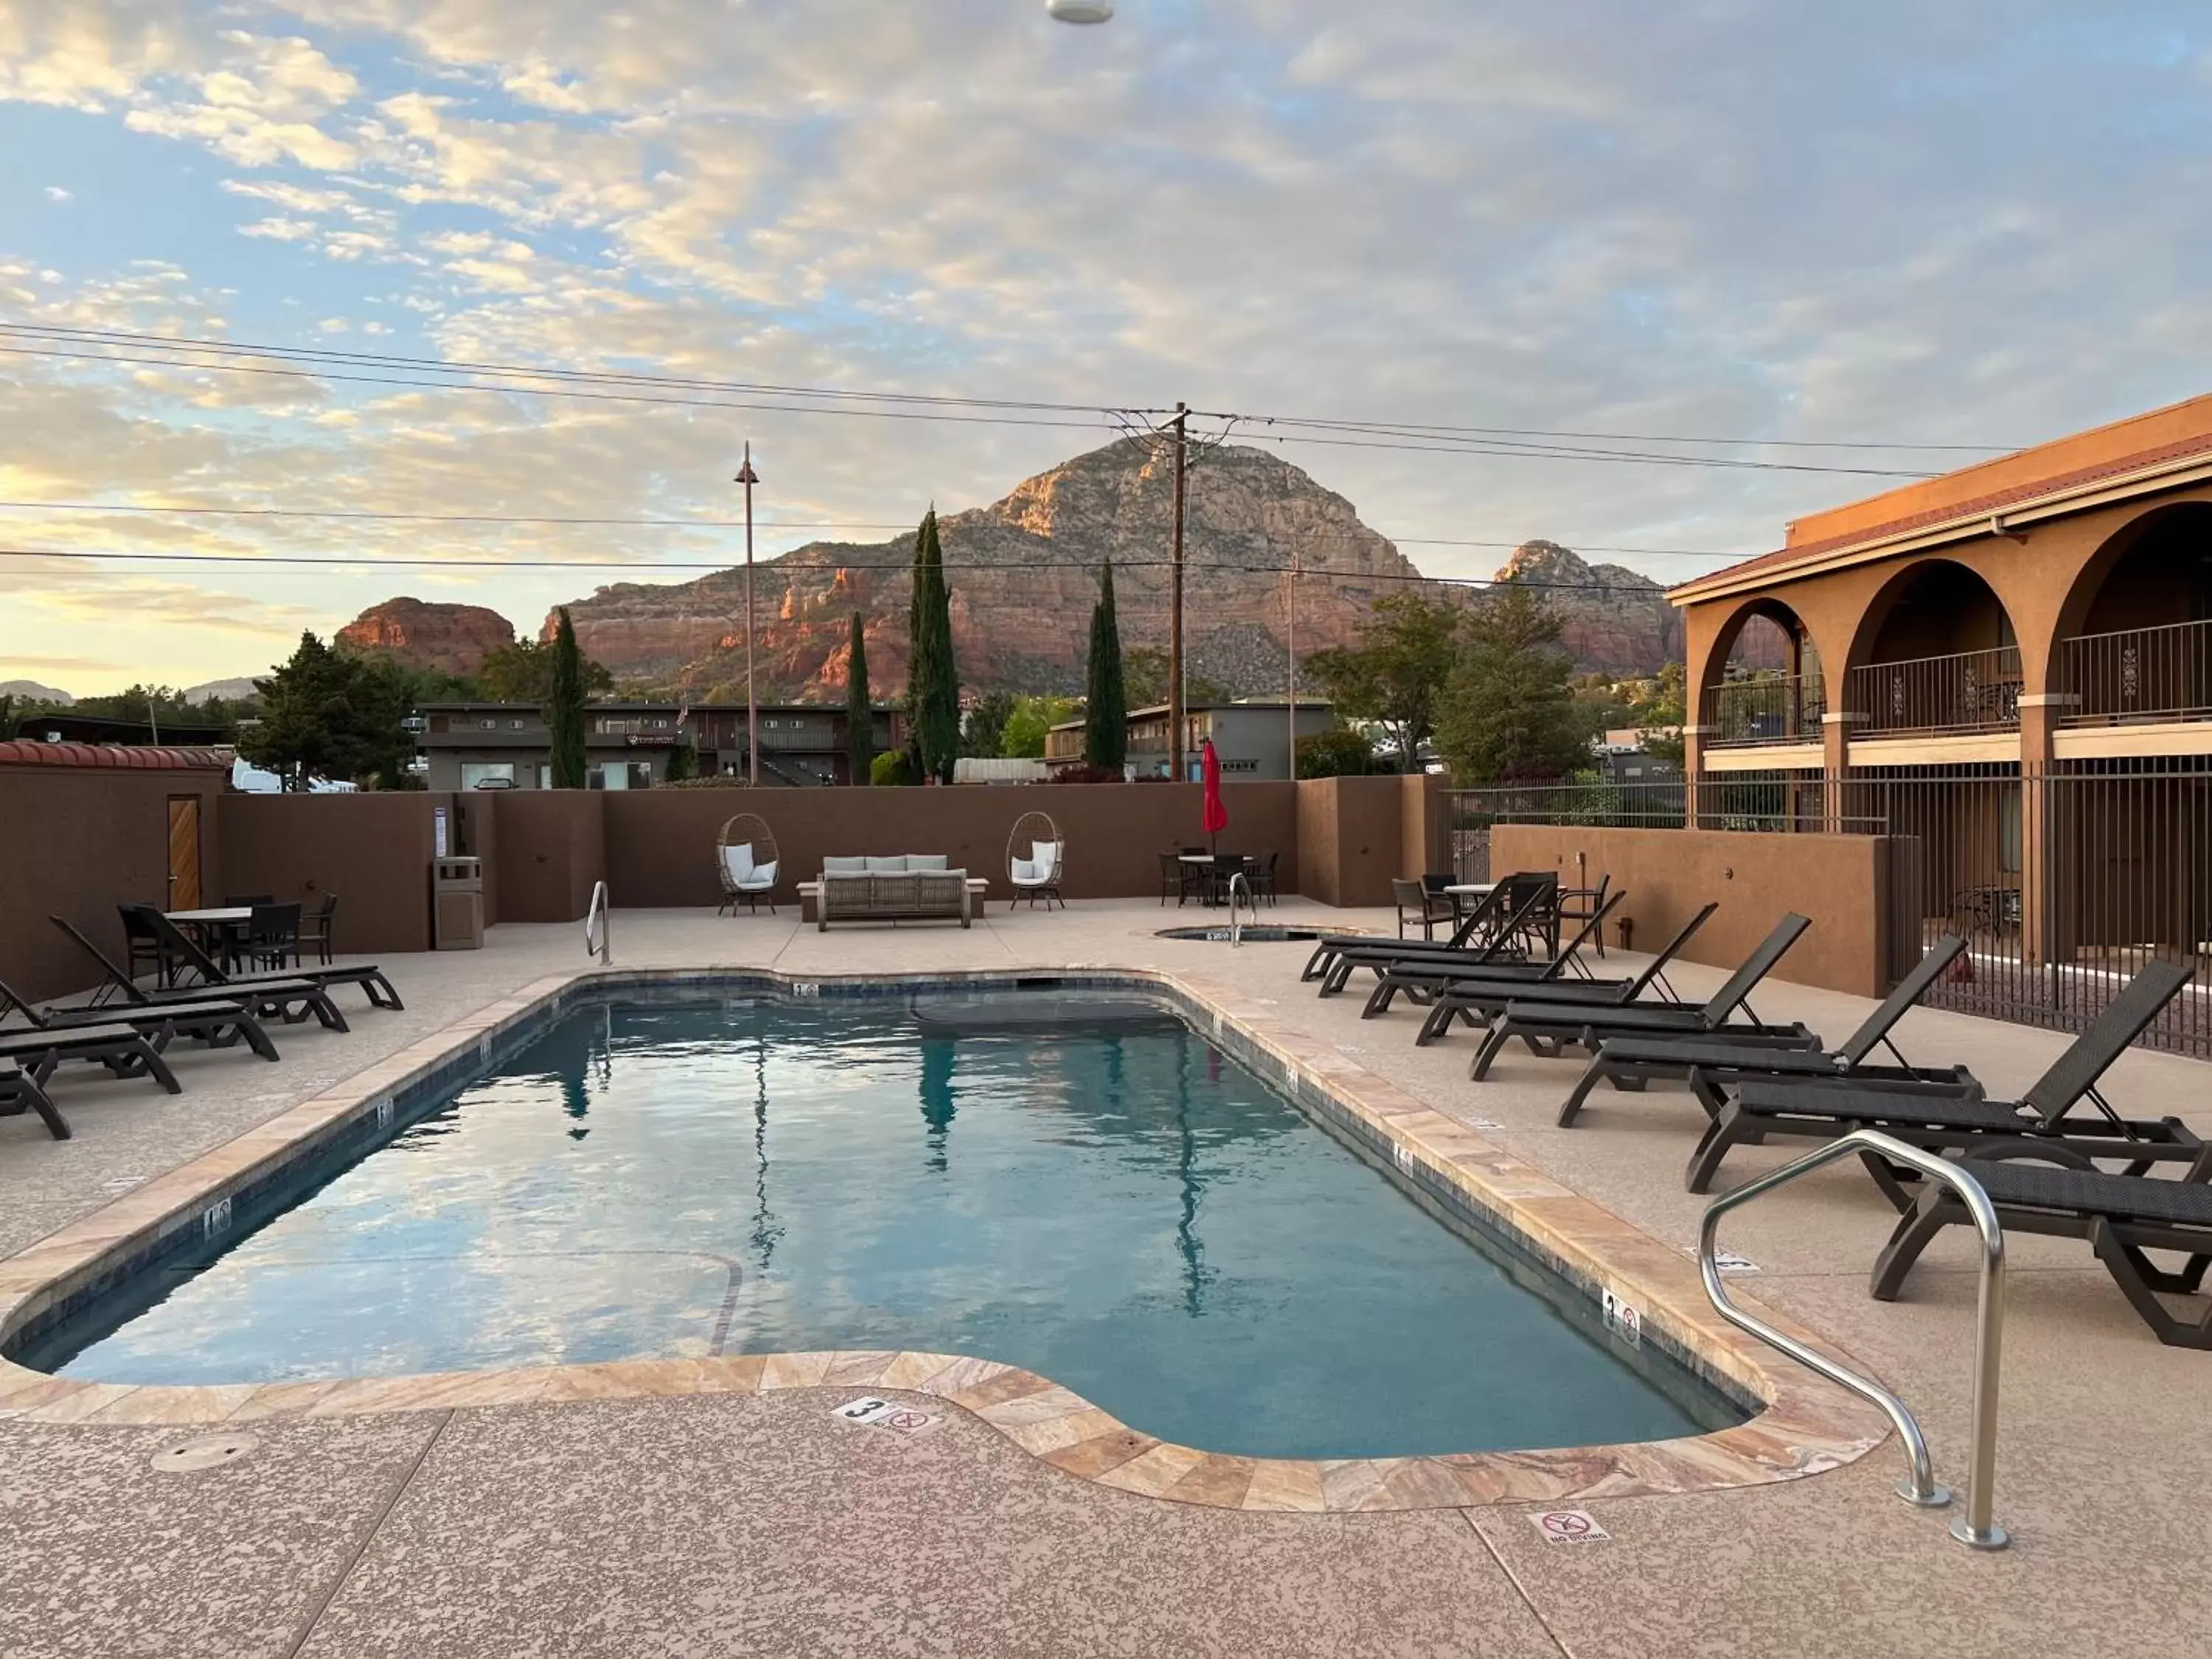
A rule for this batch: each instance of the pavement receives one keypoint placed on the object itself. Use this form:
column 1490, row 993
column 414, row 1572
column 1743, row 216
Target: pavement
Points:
column 753, row 1524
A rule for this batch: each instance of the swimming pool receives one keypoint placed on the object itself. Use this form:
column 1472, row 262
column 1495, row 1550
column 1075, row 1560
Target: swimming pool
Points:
column 1079, row 1185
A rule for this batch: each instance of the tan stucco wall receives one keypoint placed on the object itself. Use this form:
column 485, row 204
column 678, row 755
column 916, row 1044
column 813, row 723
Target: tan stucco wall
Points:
column 372, row 850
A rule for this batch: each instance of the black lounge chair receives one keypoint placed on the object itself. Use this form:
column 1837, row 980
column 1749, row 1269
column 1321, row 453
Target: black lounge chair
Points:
column 126, row 1052
column 1421, row 981
column 20, row 1092
column 1517, row 910
column 218, row 1022
column 290, row 998
column 1476, row 933
column 2044, row 1116
column 191, row 958
column 2121, row 1216
column 1709, row 1064
column 1565, row 1023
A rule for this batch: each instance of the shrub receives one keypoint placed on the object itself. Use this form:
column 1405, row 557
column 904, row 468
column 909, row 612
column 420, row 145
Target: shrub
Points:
column 892, row 767
column 1339, row 752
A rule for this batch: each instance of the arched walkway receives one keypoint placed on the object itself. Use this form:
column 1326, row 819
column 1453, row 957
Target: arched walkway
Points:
column 1934, row 653
column 2136, row 633
column 1761, row 680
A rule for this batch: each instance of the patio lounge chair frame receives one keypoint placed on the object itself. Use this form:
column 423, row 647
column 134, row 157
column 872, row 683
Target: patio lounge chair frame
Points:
column 1566, row 1025
column 368, row 975
column 291, row 999
column 1030, row 831
column 1507, row 944
column 1422, row 983
column 20, row 1092
column 1629, row 1063
column 2121, row 1216
column 2044, row 1116
column 218, row 1022
column 746, row 829
column 1489, row 932
column 1330, row 946
column 126, row 1052
column 1478, row 1000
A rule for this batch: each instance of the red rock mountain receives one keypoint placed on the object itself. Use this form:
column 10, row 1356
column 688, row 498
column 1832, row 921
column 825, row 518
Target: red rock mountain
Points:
column 1023, row 574
column 451, row 639
column 1613, row 618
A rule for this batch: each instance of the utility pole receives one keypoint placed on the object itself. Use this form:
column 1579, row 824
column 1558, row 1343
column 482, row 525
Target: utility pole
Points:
column 1174, row 602
column 1291, row 629
column 748, row 477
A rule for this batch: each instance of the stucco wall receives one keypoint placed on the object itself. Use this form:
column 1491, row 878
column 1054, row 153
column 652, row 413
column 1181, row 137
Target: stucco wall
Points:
column 78, row 842
column 1349, row 839
column 372, row 850
column 1842, row 882
column 551, row 848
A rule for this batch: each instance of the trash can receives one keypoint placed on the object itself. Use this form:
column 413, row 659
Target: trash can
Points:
column 457, row 904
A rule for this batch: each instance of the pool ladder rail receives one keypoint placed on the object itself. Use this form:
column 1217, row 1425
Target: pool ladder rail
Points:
column 1236, row 927
column 603, row 948
column 1976, row 1528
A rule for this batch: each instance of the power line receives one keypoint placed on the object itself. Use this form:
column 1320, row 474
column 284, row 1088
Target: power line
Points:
column 735, row 523
column 1411, row 429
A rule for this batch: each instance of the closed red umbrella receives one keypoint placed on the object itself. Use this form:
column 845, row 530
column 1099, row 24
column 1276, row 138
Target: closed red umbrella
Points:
column 1216, row 815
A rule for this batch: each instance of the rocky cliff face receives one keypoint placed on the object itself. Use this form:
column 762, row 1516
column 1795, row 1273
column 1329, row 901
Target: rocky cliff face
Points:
column 1616, row 620
column 1023, row 574
column 451, row 639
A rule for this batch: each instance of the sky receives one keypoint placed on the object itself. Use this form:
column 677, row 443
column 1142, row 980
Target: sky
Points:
column 1977, row 224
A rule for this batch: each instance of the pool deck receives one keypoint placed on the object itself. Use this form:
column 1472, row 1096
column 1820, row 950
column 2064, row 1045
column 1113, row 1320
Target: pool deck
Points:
column 752, row 1524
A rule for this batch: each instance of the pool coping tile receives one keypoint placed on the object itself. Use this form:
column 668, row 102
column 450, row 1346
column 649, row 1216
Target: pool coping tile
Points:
column 1801, row 1426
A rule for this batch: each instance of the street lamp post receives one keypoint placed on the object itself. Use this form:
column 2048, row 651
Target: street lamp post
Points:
column 748, row 477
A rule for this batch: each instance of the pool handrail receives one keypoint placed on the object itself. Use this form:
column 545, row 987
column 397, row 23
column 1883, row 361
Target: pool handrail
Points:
column 599, row 911
column 1976, row 1528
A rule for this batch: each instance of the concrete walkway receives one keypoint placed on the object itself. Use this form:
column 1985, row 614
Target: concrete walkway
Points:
column 754, row 1525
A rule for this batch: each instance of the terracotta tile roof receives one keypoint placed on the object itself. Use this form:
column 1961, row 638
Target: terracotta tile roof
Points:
column 1996, row 501
column 126, row 757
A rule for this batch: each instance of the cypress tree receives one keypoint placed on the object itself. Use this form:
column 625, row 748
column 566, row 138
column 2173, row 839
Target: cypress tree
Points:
column 1106, row 711
column 859, row 709
column 564, row 710
column 934, row 681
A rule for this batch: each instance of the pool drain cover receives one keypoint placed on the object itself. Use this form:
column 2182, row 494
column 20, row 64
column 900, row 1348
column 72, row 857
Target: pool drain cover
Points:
column 208, row 1451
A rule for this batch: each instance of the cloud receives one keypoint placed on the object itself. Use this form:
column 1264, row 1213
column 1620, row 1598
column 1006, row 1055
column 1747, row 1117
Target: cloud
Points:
column 56, row 193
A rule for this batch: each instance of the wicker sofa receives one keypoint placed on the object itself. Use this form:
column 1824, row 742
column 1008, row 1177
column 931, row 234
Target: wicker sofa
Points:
column 909, row 888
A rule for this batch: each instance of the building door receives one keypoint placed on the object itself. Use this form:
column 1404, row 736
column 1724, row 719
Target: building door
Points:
column 184, row 853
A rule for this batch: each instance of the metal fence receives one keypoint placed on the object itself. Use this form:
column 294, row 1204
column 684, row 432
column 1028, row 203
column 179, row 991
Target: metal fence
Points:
column 1773, row 708
column 2064, row 881
column 1965, row 691
column 2144, row 674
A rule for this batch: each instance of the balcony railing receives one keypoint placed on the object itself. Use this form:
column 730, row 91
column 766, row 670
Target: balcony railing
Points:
column 2161, row 673
column 1786, row 709
column 1968, row 691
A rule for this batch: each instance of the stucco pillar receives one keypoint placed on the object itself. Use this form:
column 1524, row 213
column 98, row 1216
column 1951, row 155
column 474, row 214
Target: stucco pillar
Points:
column 2042, row 922
column 1835, row 762
column 1693, row 771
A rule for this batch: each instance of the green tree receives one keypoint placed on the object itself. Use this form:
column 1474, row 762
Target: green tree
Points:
column 1023, row 736
column 983, row 731
column 682, row 759
column 1508, row 713
column 1144, row 680
column 859, row 709
column 564, row 706
column 522, row 671
column 933, row 680
column 1106, row 707
column 893, row 767
column 328, row 716
column 1339, row 752
column 1395, row 674
column 1665, row 709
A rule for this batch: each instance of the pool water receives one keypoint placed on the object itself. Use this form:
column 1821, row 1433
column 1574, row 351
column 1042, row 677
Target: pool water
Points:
column 1091, row 1191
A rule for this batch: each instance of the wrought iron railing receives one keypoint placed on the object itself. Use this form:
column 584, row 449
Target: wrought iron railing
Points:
column 1965, row 691
column 2162, row 673
column 1781, row 709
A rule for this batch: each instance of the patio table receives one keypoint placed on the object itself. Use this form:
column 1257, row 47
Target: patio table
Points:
column 219, row 930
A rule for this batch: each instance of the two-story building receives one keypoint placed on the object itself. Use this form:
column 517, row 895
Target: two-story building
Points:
column 1251, row 740
column 493, row 745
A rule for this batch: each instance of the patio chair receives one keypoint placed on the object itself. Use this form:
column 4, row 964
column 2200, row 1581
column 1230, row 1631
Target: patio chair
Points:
column 2043, row 1116
column 2121, row 1216
column 1510, row 923
column 1036, row 854
column 1564, row 1023
column 1477, row 1000
column 1422, row 981
column 272, row 936
column 1260, row 872
column 1427, row 905
column 217, row 1021
column 1171, row 880
column 126, row 1052
column 191, row 959
column 746, row 859
column 1469, row 941
column 20, row 1092
column 1708, row 1065
column 143, row 945
column 1577, row 904
column 289, row 999
column 325, row 924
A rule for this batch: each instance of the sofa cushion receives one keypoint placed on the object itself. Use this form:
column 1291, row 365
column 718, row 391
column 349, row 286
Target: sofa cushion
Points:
column 926, row 860
column 843, row 866
column 1025, row 871
column 893, row 866
column 759, row 878
column 1045, row 854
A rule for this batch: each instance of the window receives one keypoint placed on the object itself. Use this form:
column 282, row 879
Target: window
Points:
column 622, row 774
column 476, row 773
column 2008, row 832
column 489, row 724
column 545, row 774
column 514, row 726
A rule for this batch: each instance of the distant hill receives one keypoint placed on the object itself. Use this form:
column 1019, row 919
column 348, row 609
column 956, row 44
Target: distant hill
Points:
column 32, row 691
column 229, row 691
column 1614, row 619
column 451, row 639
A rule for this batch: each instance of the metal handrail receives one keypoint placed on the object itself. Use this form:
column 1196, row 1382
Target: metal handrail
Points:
column 600, row 912
column 1975, row 1528
column 1236, row 927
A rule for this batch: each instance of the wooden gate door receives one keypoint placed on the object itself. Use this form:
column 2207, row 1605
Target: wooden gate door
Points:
column 184, row 853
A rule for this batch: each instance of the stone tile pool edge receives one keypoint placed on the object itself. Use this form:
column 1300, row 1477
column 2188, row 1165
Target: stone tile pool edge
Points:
column 1803, row 1425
